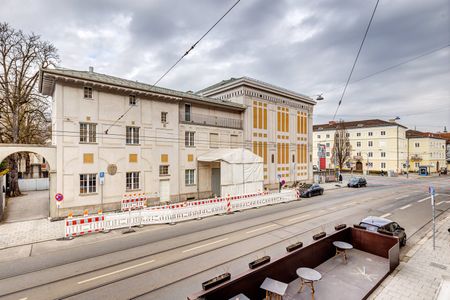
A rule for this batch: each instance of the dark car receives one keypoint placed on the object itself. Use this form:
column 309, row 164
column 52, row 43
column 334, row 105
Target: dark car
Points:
column 357, row 182
column 377, row 224
column 312, row 190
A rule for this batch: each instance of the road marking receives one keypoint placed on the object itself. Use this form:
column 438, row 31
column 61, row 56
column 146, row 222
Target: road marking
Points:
column 440, row 203
column 421, row 200
column 204, row 245
column 301, row 217
column 401, row 197
column 117, row 271
column 348, row 204
column 385, row 215
column 405, row 207
column 331, row 208
column 23, row 298
column 261, row 228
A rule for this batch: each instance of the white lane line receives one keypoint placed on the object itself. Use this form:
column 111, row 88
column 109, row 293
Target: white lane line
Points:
column 401, row 197
column 117, row 271
column 421, row 200
column 385, row 215
column 439, row 203
column 405, row 207
column 23, row 298
column 447, row 201
column 348, row 204
column 261, row 228
column 301, row 217
column 204, row 245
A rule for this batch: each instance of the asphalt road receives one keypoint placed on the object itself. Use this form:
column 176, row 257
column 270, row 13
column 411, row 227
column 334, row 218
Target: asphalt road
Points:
column 170, row 262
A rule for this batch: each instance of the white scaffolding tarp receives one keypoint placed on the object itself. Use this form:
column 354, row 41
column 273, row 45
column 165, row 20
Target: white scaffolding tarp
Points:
column 241, row 171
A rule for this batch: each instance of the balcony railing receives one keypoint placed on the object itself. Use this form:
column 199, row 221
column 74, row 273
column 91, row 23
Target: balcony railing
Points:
column 211, row 120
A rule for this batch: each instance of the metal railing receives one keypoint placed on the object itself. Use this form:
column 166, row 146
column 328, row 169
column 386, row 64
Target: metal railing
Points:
column 211, row 120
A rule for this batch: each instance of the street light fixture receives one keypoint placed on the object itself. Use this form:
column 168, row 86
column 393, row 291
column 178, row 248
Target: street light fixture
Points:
column 319, row 97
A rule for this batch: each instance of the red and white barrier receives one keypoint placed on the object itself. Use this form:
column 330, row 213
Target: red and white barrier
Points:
column 83, row 225
column 133, row 202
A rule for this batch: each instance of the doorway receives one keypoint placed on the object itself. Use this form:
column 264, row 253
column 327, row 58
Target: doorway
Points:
column 359, row 166
column 164, row 190
column 215, row 181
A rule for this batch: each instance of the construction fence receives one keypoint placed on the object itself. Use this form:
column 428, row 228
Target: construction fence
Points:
column 171, row 213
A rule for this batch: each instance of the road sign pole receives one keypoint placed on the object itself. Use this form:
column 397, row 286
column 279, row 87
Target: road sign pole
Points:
column 432, row 191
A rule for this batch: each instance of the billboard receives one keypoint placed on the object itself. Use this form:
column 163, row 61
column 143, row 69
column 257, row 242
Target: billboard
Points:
column 322, row 154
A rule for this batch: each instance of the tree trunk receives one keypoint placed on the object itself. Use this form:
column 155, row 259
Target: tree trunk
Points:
column 14, row 190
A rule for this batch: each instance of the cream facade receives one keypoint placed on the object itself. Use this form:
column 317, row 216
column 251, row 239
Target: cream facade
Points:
column 135, row 136
column 427, row 151
column 377, row 145
column 277, row 126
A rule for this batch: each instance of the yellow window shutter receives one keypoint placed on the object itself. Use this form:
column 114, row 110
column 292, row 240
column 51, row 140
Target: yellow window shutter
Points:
column 260, row 118
column 278, row 120
column 164, row 158
column 132, row 158
column 265, row 117
column 88, row 158
column 287, row 121
column 190, row 157
column 255, row 117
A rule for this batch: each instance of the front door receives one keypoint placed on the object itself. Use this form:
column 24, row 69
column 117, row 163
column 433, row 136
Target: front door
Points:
column 215, row 181
column 164, row 190
column 359, row 166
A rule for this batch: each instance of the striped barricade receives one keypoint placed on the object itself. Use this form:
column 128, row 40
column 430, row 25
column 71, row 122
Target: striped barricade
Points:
column 83, row 225
column 133, row 202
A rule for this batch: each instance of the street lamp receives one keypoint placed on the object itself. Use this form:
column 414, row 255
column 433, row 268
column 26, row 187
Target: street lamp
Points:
column 319, row 97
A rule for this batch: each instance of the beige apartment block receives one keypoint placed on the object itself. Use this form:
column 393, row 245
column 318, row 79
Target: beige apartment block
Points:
column 144, row 139
column 426, row 150
column 377, row 145
column 277, row 126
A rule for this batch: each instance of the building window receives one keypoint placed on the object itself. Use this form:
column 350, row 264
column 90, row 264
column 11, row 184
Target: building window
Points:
column 416, row 164
column 214, row 140
column 358, row 144
column 358, row 153
column 132, row 100
column 370, row 143
column 273, row 158
column 328, row 145
column 132, row 180
column 318, row 136
column 383, row 154
column 189, row 177
column 132, row 136
column 87, row 92
column 358, row 134
column 88, row 133
column 369, row 154
column 370, row 133
column 383, row 165
column 163, row 170
column 189, row 138
column 370, row 164
column 383, row 132
column 187, row 112
column 328, row 136
column 88, row 183
column 328, row 153
column 164, row 117
column 417, row 145
column 347, row 134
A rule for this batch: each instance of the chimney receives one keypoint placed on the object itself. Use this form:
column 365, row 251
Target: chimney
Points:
column 91, row 69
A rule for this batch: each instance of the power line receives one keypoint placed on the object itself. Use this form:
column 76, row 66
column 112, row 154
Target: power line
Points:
column 395, row 66
column 356, row 59
column 173, row 66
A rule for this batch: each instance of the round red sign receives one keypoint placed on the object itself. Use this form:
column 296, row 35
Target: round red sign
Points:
column 59, row 197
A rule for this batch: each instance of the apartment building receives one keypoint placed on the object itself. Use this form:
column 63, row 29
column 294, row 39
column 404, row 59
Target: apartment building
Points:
column 426, row 150
column 277, row 126
column 377, row 145
column 114, row 136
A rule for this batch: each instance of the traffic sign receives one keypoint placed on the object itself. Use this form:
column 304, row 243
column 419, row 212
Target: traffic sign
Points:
column 59, row 197
column 101, row 176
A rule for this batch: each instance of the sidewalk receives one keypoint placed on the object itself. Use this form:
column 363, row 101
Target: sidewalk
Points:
column 422, row 271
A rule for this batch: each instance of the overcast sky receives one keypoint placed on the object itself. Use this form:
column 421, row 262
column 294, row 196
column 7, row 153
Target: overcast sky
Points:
column 305, row 46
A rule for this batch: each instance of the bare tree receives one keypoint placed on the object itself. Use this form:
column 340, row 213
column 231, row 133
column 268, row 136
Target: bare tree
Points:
column 24, row 113
column 342, row 148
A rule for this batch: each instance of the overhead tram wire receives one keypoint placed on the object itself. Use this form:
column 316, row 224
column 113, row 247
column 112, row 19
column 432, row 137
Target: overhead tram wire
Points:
column 396, row 65
column 356, row 59
column 173, row 66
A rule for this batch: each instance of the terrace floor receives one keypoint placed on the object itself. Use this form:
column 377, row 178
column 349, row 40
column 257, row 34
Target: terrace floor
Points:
column 344, row 281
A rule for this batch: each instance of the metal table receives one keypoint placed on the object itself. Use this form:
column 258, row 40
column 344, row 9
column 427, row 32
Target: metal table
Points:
column 307, row 277
column 274, row 288
column 341, row 248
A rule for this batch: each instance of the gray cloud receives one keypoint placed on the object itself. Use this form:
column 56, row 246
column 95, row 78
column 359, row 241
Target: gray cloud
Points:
column 306, row 46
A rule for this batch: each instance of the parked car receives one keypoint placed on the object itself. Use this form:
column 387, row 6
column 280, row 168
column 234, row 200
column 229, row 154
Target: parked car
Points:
column 312, row 190
column 377, row 224
column 443, row 171
column 357, row 182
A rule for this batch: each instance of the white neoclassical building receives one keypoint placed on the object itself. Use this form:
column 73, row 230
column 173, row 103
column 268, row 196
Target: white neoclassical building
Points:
column 112, row 136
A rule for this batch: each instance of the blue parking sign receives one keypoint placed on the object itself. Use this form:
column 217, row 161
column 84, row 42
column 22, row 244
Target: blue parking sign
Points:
column 431, row 190
column 101, row 174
